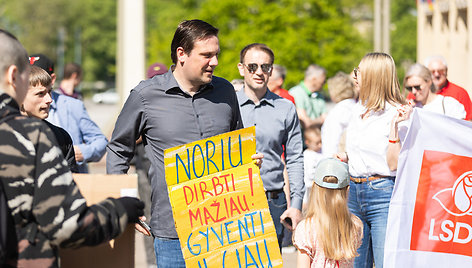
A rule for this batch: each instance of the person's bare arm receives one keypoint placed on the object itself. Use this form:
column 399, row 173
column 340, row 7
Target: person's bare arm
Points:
column 306, row 121
column 303, row 260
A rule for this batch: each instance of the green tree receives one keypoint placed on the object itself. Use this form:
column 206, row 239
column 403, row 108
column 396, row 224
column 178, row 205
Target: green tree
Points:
column 299, row 32
column 36, row 24
column 403, row 35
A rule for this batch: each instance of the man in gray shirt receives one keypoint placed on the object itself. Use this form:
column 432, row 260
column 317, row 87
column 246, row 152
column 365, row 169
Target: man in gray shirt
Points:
column 277, row 132
column 183, row 105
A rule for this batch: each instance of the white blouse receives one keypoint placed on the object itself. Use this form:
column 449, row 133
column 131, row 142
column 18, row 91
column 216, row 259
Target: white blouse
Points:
column 451, row 108
column 367, row 141
column 334, row 126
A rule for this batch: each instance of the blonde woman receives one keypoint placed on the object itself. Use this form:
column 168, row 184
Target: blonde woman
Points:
column 419, row 81
column 372, row 148
column 329, row 235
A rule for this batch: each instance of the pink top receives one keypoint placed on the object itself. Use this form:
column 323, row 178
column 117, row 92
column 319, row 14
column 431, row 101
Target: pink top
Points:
column 306, row 241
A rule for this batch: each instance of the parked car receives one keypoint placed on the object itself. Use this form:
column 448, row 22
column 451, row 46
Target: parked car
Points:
column 108, row 97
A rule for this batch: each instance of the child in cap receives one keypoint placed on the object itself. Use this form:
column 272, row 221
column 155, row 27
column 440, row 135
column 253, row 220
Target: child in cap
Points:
column 329, row 235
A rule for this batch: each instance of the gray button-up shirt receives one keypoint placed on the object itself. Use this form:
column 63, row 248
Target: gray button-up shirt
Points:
column 277, row 125
column 167, row 117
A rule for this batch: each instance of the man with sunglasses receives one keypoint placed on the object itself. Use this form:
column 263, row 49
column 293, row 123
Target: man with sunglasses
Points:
column 277, row 132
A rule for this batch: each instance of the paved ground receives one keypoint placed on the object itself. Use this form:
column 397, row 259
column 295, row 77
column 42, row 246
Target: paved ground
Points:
column 105, row 116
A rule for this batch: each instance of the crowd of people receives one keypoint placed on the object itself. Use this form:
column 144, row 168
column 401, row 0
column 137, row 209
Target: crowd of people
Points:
column 328, row 174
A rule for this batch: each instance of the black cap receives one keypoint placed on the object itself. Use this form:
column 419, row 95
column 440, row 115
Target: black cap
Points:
column 43, row 62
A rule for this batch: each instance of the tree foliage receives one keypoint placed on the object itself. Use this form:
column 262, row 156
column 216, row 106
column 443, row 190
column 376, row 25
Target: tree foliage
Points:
column 403, row 35
column 299, row 32
column 88, row 25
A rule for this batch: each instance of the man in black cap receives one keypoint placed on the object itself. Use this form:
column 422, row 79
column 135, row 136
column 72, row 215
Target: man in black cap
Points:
column 44, row 63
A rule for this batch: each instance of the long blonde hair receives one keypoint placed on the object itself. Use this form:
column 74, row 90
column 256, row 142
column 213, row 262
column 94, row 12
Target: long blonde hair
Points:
column 336, row 231
column 379, row 82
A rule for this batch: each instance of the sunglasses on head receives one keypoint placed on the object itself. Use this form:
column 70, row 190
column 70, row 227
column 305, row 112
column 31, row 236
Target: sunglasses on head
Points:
column 252, row 67
column 418, row 88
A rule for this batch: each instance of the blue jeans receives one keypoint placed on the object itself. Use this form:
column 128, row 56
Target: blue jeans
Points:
column 168, row 253
column 277, row 207
column 370, row 201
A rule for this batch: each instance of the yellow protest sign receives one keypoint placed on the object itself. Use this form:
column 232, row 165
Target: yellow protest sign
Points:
column 222, row 219
column 204, row 157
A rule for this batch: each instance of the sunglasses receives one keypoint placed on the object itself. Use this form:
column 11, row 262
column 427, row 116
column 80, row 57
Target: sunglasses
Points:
column 418, row 88
column 252, row 67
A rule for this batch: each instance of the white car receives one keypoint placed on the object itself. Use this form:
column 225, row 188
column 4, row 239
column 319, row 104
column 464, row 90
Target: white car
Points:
column 108, row 97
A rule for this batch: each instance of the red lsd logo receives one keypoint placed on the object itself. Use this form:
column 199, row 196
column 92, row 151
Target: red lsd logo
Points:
column 442, row 219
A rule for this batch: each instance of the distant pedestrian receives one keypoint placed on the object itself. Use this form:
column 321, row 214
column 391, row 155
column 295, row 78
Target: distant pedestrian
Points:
column 342, row 92
column 72, row 77
column 276, row 82
column 329, row 235
column 237, row 84
column 311, row 105
column 438, row 67
column 419, row 82
column 311, row 156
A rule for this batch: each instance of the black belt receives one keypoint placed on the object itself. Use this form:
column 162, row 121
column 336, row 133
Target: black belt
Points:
column 274, row 194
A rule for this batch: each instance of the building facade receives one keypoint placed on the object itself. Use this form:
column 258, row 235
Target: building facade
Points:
column 444, row 28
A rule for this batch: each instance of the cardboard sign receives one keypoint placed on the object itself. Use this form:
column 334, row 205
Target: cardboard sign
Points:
column 118, row 252
column 205, row 157
column 219, row 205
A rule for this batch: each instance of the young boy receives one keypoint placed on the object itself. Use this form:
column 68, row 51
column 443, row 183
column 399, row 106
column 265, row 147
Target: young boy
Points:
column 311, row 156
column 36, row 104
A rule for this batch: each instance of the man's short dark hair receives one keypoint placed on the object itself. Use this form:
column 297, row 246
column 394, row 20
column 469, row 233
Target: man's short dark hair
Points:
column 72, row 68
column 12, row 52
column 187, row 33
column 258, row 46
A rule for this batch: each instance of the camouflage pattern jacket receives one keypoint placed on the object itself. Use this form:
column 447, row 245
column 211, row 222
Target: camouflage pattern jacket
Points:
column 47, row 207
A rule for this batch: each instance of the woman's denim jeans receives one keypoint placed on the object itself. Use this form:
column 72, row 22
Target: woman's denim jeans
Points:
column 370, row 201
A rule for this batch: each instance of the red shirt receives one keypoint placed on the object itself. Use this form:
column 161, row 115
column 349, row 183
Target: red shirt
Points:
column 284, row 94
column 458, row 93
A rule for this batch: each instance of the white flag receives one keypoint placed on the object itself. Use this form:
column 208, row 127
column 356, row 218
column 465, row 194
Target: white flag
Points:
column 430, row 216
